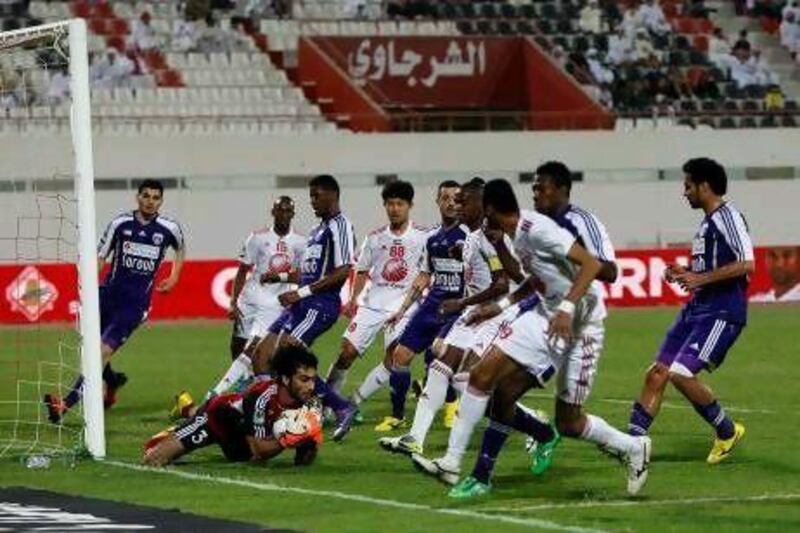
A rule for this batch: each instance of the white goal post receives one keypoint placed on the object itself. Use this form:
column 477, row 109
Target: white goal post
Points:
column 80, row 128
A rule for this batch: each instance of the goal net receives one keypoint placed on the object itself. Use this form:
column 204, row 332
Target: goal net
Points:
column 49, row 318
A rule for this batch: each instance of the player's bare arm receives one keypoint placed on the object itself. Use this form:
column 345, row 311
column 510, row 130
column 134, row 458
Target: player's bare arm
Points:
column 511, row 266
column 589, row 267
column 292, row 276
column 175, row 274
column 608, row 271
column 263, row 449
column 492, row 309
column 238, row 284
column 357, row 288
column 422, row 280
column 329, row 283
column 692, row 280
column 498, row 288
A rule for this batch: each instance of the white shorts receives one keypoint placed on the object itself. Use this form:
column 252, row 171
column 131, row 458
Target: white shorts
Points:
column 525, row 341
column 477, row 337
column 256, row 320
column 366, row 325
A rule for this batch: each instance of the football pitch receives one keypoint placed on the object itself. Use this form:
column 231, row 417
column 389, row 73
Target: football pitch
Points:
column 355, row 486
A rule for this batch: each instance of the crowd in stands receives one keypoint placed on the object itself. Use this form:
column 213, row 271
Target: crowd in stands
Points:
column 630, row 56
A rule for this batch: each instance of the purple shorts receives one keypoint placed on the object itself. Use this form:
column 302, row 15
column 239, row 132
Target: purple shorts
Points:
column 425, row 326
column 118, row 318
column 308, row 319
column 697, row 343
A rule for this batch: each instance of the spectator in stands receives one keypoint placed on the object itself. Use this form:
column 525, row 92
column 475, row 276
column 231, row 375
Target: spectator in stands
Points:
column 642, row 46
column 652, row 17
column 773, row 100
column 790, row 31
column 559, row 56
column 631, row 21
column 742, row 40
column 238, row 40
column 601, row 74
column 619, row 47
column 111, row 69
column 185, row 34
column 409, row 8
column 591, row 18
column 58, row 89
column 211, row 38
column 746, row 68
column 718, row 48
column 143, row 35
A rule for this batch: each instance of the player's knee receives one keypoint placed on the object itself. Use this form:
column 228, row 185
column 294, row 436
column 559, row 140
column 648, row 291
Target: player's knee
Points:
column 451, row 357
column 657, row 376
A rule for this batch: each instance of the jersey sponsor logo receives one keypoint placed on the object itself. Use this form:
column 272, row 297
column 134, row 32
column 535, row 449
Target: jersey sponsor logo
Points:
column 447, row 281
column 447, row 265
column 31, row 294
column 395, row 270
column 136, row 249
column 698, row 245
column 279, row 263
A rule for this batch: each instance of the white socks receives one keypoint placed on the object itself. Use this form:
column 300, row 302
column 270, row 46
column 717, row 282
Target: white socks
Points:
column 431, row 401
column 336, row 377
column 470, row 411
column 601, row 432
column 460, row 382
column 375, row 380
column 241, row 367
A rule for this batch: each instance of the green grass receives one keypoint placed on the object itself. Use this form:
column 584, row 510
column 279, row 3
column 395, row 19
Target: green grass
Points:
column 760, row 378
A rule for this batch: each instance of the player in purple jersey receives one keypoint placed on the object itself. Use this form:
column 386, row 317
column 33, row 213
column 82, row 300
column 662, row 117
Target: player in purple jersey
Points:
column 442, row 275
column 136, row 242
column 314, row 307
column 711, row 321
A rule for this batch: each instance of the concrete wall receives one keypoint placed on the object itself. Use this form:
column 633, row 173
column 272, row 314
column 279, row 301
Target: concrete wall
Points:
column 629, row 177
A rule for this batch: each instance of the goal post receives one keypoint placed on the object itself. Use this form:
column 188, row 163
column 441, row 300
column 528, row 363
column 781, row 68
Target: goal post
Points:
column 89, row 314
column 71, row 246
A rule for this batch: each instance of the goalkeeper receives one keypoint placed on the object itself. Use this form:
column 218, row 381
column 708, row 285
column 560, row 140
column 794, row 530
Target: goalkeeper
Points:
column 255, row 425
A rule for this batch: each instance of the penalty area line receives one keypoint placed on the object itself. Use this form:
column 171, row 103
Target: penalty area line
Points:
column 643, row 503
column 380, row 502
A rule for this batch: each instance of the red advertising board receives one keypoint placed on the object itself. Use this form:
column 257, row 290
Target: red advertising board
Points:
column 452, row 72
column 48, row 293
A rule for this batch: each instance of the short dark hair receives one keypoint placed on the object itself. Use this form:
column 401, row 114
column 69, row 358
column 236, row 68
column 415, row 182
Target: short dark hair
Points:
column 288, row 359
column 446, row 184
column 476, row 184
column 151, row 184
column 558, row 172
column 325, row 182
column 499, row 195
column 706, row 170
column 399, row 189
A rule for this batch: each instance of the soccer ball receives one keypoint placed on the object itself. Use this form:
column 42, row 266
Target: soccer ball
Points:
column 297, row 422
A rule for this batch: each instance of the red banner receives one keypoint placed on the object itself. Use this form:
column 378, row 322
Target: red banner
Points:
column 48, row 293
column 451, row 72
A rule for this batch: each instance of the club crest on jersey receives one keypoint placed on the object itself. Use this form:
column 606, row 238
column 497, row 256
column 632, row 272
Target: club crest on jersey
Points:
column 158, row 238
column 395, row 270
column 31, row 294
column 505, row 330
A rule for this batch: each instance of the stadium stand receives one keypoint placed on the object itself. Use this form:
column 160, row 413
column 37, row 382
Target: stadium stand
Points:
column 187, row 67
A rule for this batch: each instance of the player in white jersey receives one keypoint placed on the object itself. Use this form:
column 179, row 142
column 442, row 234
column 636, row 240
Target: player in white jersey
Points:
column 268, row 264
column 485, row 281
column 530, row 349
column 268, row 267
column 575, row 375
column 389, row 261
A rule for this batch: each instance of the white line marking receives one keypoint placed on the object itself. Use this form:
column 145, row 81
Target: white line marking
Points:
column 666, row 405
column 642, row 503
column 527, row 522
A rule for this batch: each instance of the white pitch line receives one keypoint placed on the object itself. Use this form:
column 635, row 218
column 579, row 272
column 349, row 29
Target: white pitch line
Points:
column 667, row 405
column 270, row 487
column 643, row 503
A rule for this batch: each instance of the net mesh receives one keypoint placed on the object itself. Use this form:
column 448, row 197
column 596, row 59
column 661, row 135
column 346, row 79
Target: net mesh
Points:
column 39, row 340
